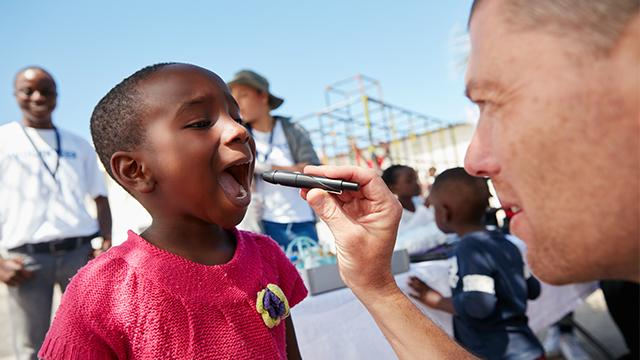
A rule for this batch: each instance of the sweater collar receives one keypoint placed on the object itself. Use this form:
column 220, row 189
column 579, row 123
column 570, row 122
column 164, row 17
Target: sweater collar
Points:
column 189, row 278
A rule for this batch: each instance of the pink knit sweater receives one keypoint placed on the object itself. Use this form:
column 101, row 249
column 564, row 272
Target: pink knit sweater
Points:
column 140, row 302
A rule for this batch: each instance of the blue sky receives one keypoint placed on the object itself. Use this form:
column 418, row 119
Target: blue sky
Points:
column 300, row 46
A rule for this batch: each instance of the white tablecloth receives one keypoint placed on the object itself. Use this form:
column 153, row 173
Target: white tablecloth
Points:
column 336, row 325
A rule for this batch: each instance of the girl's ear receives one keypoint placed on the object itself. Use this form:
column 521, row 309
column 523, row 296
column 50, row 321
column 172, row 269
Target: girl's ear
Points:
column 131, row 172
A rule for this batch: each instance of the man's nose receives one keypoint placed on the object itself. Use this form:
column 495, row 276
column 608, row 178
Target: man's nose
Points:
column 480, row 159
column 39, row 96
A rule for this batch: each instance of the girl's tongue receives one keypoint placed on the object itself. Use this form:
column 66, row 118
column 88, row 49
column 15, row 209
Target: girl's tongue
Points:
column 235, row 192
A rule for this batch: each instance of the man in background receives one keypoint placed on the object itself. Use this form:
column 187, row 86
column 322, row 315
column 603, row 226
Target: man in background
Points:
column 45, row 229
column 280, row 145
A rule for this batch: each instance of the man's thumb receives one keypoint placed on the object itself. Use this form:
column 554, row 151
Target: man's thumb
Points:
column 326, row 207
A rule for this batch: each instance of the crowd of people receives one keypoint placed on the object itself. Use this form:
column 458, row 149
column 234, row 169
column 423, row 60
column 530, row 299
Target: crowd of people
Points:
column 208, row 278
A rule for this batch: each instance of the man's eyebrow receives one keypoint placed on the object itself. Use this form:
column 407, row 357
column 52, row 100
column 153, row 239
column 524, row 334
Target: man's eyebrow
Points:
column 193, row 101
column 484, row 85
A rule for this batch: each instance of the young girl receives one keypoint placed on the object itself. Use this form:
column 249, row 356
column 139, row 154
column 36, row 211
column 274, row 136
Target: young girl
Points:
column 418, row 231
column 190, row 286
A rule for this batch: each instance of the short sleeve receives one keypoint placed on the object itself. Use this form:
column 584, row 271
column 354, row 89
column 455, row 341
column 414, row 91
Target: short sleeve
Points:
column 290, row 276
column 477, row 297
column 475, row 265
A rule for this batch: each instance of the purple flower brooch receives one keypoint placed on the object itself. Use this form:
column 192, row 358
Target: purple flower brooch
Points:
column 272, row 305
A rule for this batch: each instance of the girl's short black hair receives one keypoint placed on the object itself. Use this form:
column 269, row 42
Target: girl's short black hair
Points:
column 117, row 120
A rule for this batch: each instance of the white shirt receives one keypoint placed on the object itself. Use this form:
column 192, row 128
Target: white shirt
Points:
column 34, row 207
column 280, row 204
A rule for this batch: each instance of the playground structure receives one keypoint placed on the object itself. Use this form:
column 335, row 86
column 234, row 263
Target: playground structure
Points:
column 357, row 127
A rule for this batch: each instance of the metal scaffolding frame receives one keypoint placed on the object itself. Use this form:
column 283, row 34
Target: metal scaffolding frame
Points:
column 359, row 128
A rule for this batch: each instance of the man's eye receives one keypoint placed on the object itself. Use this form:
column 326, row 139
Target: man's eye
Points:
column 27, row 91
column 202, row 124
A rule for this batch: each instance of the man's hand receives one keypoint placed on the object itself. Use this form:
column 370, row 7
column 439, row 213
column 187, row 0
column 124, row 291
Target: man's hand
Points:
column 364, row 224
column 106, row 244
column 13, row 273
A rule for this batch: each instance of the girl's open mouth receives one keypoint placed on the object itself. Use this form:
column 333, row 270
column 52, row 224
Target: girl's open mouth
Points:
column 235, row 181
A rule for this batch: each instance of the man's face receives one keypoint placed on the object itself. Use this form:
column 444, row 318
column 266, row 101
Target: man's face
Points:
column 35, row 92
column 558, row 135
column 253, row 104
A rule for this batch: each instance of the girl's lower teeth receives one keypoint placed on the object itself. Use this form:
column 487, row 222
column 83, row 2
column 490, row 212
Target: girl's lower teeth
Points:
column 243, row 192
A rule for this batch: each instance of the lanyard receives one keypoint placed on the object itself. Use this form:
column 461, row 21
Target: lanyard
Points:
column 58, row 151
column 270, row 148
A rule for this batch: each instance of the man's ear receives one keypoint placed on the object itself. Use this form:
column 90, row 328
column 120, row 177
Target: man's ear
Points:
column 264, row 97
column 131, row 172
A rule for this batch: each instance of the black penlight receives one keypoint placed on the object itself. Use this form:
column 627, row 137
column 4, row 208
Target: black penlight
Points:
column 298, row 180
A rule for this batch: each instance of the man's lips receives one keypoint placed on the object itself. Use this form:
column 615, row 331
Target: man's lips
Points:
column 514, row 209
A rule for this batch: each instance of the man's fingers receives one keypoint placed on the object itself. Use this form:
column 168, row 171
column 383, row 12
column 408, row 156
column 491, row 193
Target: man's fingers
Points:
column 355, row 174
column 13, row 264
column 371, row 185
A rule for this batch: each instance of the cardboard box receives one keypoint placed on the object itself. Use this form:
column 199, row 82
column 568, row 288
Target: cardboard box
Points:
column 327, row 278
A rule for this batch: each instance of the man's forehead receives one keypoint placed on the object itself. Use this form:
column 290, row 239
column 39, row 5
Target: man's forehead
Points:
column 491, row 46
column 35, row 74
column 30, row 74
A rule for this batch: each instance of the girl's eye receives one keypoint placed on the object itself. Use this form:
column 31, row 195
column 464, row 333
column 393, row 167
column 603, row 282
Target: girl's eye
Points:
column 202, row 124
